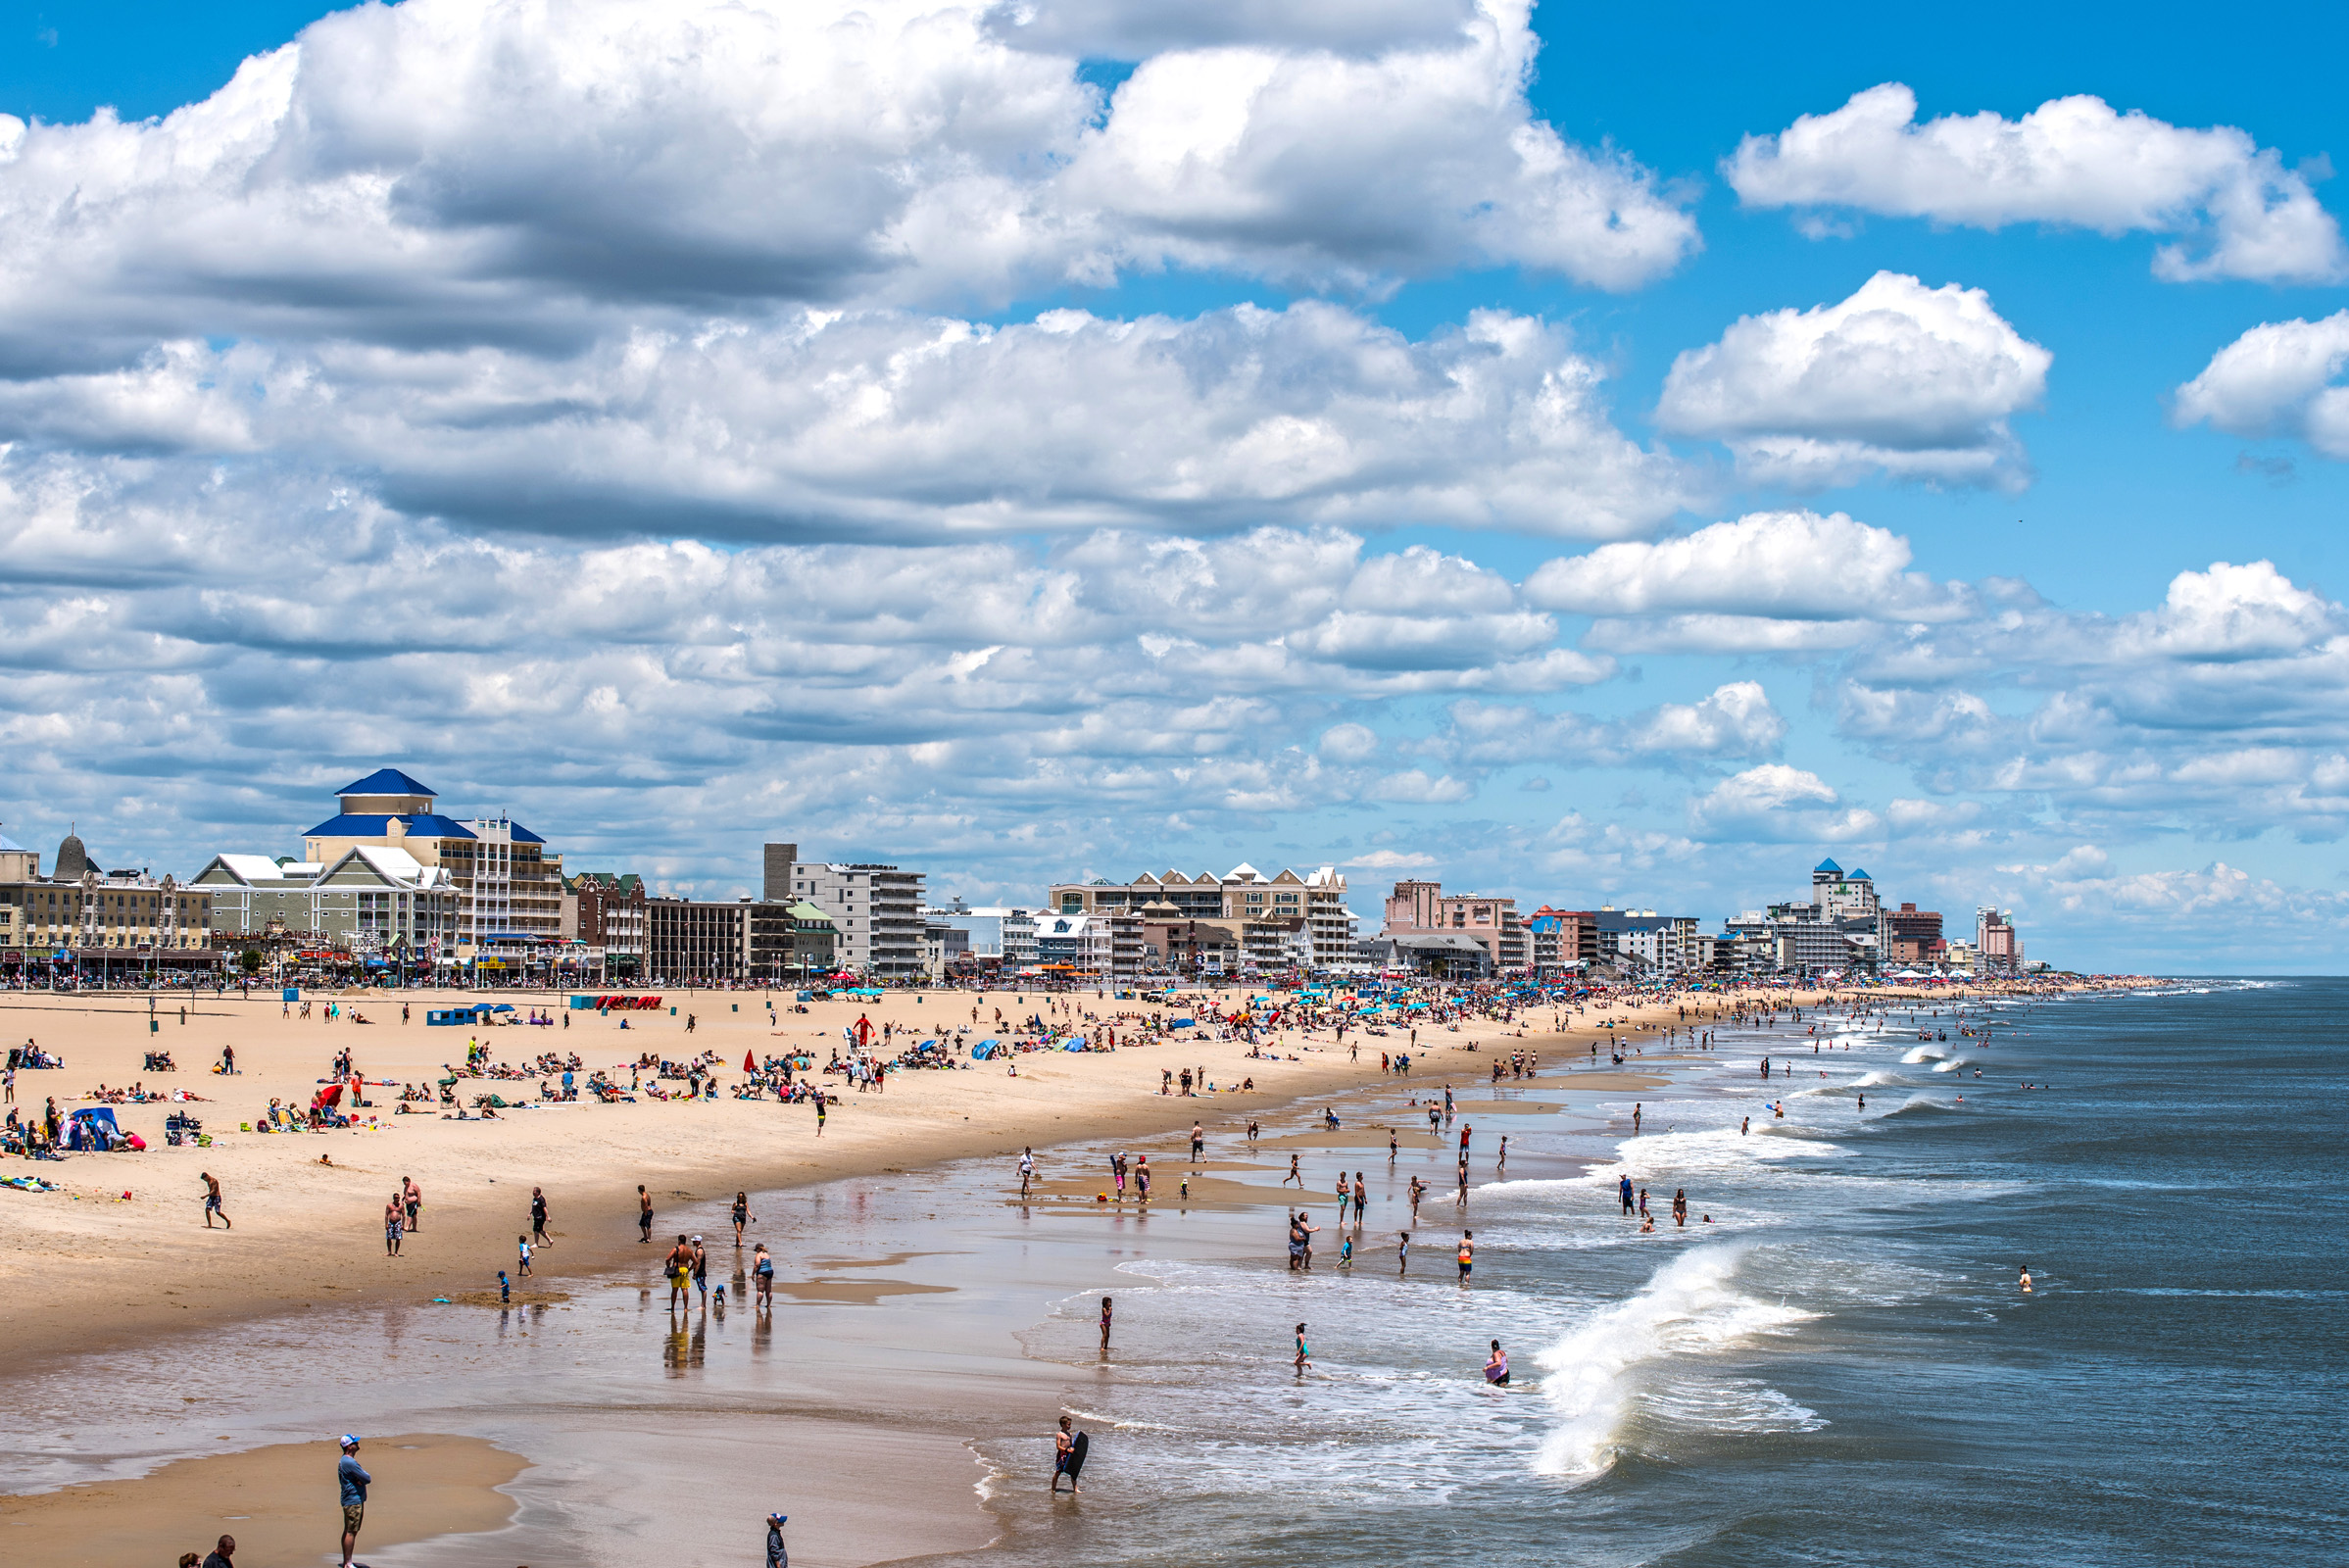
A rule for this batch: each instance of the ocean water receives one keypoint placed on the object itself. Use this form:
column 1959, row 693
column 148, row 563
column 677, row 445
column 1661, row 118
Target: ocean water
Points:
column 1835, row 1367
column 1839, row 1368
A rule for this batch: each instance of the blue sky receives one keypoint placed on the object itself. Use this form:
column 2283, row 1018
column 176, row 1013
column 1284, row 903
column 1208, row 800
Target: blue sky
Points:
column 706, row 471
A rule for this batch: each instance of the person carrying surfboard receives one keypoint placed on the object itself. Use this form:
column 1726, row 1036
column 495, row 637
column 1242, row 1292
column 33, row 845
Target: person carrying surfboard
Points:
column 1068, row 1457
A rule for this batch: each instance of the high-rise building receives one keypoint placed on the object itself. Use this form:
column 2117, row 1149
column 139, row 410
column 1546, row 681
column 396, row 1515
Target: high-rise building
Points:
column 1421, row 909
column 877, row 912
column 775, row 885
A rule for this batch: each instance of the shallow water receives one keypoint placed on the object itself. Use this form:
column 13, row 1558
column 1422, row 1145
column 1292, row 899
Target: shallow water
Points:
column 1837, row 1367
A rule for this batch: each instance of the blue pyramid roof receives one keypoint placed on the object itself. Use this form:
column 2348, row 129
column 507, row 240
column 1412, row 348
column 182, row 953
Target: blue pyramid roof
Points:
column 386, row 781
column 1859, row 876
column 1826, row 865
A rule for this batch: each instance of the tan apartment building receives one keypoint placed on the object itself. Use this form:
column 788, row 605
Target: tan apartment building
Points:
column 1424, row 908
column 509, row 884
column 1271, row 921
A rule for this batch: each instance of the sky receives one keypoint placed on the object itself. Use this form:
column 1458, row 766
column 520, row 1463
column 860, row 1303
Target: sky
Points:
column 1615, row 455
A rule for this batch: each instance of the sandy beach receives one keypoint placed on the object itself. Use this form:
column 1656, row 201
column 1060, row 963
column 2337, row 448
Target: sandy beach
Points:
column 306, row 1207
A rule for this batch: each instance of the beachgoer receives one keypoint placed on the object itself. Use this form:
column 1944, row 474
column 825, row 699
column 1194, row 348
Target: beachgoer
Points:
column 1467, row 1254
column 1402, row 1254
column 741, row 1217
column 762, row 1269
column 392, row 1227
column 643, row 1214
column 1104, row 1325
column 521, row 1246
column 1027, row 1168
column 1304, row 1351
column 777, row 1554
column 211, row 1197
column 223, row 1553
column 354, row 1482
column 1623, row 1190
column 677, row 1269
column 1361, row 1199
column 2025, row 1282
column 1064, row 1456
column 1198, row 1141
column 411, row 1200
column 700, row 1269
column 1497, row 1369
column 1295, row 1175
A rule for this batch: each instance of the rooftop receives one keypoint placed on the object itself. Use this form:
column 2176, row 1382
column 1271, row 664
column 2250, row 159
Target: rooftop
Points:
column 386, row 781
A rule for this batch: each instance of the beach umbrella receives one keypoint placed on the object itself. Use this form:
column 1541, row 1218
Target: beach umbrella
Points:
column 749, row 1065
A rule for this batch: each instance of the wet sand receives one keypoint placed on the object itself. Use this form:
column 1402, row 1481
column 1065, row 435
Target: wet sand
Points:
column 280, row 1504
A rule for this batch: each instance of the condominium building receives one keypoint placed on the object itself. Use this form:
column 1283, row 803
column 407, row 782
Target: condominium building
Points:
column 605, row 912
column 1276, row 922
column 993, row 934
column 876, row 911
column 1562, row 939
column 1910, row 935
column 509, row 884
column 1997, row 941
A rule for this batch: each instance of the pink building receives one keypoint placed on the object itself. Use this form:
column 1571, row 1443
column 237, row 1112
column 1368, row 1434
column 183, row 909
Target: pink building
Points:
column 1420, row 909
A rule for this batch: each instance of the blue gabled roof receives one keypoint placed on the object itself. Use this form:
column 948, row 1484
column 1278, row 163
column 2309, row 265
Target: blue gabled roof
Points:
column 424, row 826
column 522, row 835
column 1826, row 865
column 386, row 781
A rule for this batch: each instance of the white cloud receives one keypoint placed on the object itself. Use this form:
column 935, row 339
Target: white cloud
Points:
column 2231, row 612
column 901, row 426
column 2073, row 161
column 1418, row 788
column 1900, row 379
column 1784, row 565
column 2279, row 378
column 1778, row 804
column 1391, row 860
column 1132, row 29
column 1348, row 743
column 1734, row 722
column 448, row 171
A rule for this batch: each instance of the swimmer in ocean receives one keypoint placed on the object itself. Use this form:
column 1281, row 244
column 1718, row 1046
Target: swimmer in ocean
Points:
column 1497, row 1369
column 2025, row 1282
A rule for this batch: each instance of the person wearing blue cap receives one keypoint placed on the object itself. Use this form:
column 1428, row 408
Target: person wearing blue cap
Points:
column 354, row 1481
column 777, row 1556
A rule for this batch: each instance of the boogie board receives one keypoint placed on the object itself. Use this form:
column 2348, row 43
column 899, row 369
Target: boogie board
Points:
column 1076, row 1455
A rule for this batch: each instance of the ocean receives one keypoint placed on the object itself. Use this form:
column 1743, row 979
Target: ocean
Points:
column 1832, row 1363
column 1840, row 1367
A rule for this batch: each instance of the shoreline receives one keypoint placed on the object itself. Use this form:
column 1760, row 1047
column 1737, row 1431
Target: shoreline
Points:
column 1079, row 1100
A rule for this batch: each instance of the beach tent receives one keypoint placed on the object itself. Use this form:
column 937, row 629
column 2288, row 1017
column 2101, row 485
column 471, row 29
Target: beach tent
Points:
column 985, row 1049
column 1182, row 1023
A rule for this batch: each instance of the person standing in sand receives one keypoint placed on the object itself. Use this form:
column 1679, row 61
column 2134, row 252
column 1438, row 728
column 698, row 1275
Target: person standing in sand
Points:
column 354, row 1482
column 678, row 1268
column 1198, row 1141
column 212, row 1200
column 393, row 1227
column 643, row 1214
column 412, row 1201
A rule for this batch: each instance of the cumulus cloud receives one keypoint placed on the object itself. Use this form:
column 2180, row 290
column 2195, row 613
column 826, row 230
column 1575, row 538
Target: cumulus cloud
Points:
column 2279, row 378
column 2238, row 211
column 1735, row 722
column 446, row 172
column 1898, row 379
column 889, row 425
column 1767, row 565
column 1778, row 804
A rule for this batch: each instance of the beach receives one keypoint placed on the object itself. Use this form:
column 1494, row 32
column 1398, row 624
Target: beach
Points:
column 307, row 1255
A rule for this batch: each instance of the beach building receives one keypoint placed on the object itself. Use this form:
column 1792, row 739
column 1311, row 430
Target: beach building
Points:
column 95, row 919
column 994, row 935
column 371, row 900
column 509, row 884
column 1996, row 941
column 1909, row 935
column 1423, row 909
column 876, row 909
column 604, row 914
column 1272, row 922
column 1559, row 940
column 710, row 941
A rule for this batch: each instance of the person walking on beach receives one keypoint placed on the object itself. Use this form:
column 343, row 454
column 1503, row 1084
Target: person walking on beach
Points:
column 1623, row 1190
column 354, row 1482
column 211, row 1197
column 1304, row 1351
column 1418, row 1189
column 1027, row 1170
column 393, row 1226
column 741, row 1217
column 1295, row 1175
column 777, row 1554
column 538, row 1218
column 762, row 1270
column 643, row 1214
column 678, row 1269
column 1361, row 1199
column 701, row 1270
column 819, row 1111
column 412, row 1201
column 1198, row 1141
